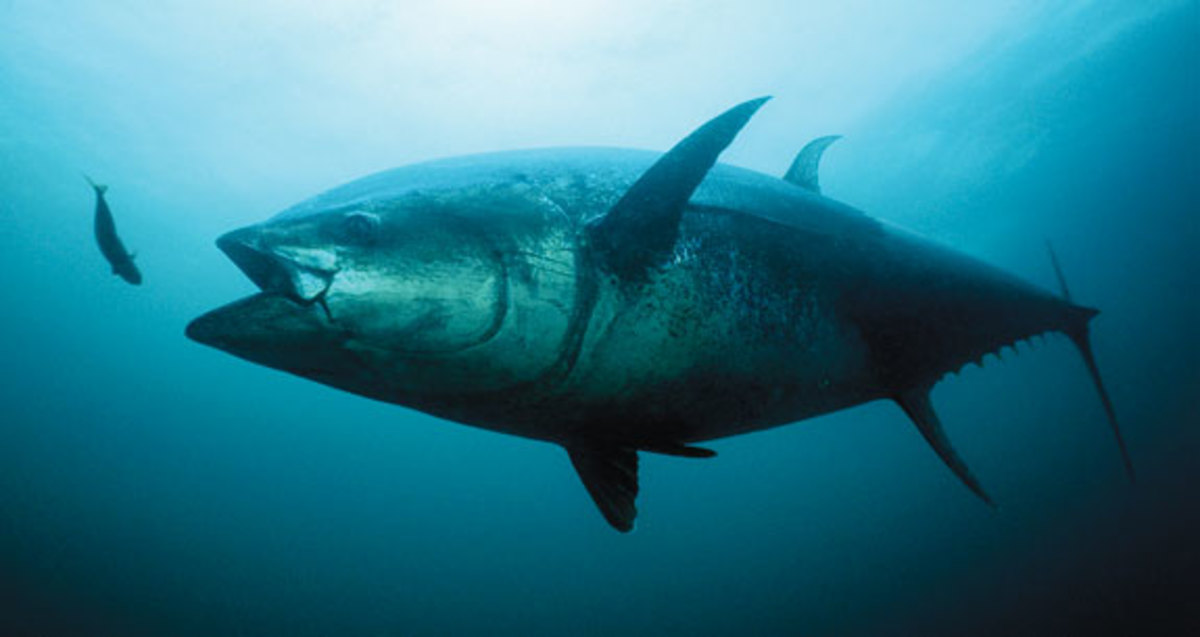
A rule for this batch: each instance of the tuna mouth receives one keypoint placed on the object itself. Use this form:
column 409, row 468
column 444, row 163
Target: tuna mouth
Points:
column 274, row 330
column 301, row 276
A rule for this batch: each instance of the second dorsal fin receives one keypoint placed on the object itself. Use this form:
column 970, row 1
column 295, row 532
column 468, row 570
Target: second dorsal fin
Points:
column 804, row 169
column 641, row 228
column 915, row 403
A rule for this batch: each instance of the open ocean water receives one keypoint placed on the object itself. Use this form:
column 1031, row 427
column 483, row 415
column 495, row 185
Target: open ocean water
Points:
column 152, row 486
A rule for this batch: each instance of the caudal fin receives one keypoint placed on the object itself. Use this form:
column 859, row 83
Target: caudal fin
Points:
column 99, row 188
column 1079, row 334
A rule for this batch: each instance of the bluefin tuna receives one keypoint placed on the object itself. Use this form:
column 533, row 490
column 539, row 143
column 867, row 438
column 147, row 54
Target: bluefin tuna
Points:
column 617, row 301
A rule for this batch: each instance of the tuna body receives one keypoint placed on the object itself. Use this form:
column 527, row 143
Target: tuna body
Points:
column 615, row 301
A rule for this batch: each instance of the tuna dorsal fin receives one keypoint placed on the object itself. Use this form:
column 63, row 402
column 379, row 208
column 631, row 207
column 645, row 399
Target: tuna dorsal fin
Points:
column 805, row 167
column 641, row 228
column 915, row 403
column 610, row 475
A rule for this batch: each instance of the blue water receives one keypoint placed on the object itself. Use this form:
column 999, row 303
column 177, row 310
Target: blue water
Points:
column 151, row 486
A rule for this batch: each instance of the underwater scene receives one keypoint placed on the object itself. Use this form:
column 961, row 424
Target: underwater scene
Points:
column 603, row 351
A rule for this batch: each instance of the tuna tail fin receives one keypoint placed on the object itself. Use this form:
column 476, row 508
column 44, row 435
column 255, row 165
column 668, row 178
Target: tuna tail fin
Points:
column 1079, row 334
column 99, row 188
column 1062, row 280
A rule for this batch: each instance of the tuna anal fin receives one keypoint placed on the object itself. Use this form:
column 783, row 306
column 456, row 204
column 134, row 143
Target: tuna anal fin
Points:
column 641, row 228
column 805, row 167
column 1079, row 336
column 915, row 403
column 610, row 475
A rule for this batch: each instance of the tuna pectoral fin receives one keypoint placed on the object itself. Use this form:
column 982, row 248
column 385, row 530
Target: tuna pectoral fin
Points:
column 610, row 475
column 640, row 230
column 1079, row 336
column 915, row 403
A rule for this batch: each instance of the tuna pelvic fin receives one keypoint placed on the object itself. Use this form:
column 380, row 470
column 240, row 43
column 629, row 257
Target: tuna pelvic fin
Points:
column 610, row 475
column 641, row 228
column 805, row 167
column 915, row 403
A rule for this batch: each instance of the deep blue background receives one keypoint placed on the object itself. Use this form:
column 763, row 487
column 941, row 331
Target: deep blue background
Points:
column 149, row 486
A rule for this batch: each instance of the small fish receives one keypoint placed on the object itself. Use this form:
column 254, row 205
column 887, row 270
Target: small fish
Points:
column 110, row 244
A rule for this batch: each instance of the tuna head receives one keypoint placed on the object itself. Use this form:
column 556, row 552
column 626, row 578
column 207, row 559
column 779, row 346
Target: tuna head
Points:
column 398, row 298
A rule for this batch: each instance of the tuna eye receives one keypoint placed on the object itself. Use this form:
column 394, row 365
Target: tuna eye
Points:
column 360, row 227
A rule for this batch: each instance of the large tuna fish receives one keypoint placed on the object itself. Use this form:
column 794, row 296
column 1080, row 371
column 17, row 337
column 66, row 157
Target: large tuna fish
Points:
column 616, row 301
